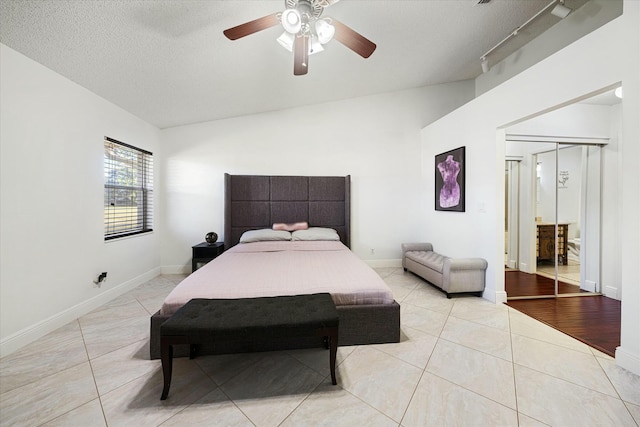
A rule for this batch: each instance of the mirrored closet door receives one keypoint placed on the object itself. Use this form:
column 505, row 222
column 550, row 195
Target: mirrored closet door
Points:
column 553, row 207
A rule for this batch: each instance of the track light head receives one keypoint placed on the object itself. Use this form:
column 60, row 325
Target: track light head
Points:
column 485, row 65
column 561, row 11
column 618, row 92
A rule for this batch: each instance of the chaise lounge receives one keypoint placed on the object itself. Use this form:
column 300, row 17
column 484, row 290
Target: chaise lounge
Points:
column 451, row 275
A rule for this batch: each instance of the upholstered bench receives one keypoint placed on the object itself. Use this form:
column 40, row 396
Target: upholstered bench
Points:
column 451, row 275
column 210, row 321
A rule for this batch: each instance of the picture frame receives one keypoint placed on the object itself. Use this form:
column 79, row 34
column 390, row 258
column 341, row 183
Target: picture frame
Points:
column 450, row 180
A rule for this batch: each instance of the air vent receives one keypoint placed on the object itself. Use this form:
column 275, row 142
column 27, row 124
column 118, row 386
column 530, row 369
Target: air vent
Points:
column 479, row 2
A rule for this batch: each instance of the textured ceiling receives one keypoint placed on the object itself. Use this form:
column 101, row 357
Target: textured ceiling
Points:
column 168, row 62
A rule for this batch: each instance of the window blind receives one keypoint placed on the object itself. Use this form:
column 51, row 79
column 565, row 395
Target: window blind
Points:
column 128, row 190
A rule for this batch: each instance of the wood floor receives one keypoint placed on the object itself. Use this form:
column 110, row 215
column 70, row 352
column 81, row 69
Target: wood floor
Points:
column 519, row 284
column 594, row 320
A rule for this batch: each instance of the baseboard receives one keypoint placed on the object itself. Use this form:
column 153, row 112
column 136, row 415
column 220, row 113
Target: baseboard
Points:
column 498, row 297
column 383, row 263
column 590, row 286
column 175, row 269
column 628, row 361
column 29, row 334
column 611, row 292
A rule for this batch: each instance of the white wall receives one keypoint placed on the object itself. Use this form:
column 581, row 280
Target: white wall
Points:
column 628, row 354
column 608, row 55
column 375, row 139
column 612, row 218
column 51, row 220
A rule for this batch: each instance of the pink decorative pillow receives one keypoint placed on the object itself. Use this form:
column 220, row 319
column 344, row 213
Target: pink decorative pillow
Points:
column 290, row 227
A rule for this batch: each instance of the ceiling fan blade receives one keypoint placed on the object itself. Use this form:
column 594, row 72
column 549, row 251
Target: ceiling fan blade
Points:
column 353, row 40
column 300, row 55
column 251, row 27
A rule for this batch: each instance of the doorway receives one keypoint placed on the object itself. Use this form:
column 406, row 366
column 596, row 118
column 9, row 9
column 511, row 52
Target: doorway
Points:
column 577, row 146
column 558, row 231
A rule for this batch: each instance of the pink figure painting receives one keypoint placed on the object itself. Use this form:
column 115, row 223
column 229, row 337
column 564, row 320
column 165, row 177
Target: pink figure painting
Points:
column 450, row 191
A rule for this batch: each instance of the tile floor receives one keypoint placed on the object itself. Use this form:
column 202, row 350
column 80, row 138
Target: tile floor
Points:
column 463, row 361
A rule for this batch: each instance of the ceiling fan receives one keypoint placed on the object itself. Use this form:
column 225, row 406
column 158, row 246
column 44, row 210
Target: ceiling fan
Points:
column 305, row 32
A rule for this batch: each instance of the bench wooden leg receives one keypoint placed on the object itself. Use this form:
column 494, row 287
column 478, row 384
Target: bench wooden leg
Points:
column 333, row 351
column 331, row 335
column 193, row 351
column 166, row 357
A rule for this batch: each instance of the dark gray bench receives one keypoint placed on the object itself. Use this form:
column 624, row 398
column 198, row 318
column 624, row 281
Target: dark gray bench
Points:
column 206, row 321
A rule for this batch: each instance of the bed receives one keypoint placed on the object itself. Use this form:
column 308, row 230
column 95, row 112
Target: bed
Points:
column 298, row 265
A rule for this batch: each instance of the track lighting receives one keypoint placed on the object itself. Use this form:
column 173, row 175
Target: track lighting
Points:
column 559, row 10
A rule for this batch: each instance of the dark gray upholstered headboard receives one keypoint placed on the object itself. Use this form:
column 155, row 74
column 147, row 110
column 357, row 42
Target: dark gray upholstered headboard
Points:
column 258, row 201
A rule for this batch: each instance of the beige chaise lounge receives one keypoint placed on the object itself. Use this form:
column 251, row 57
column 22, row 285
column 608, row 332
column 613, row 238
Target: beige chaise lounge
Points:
column 451, row 275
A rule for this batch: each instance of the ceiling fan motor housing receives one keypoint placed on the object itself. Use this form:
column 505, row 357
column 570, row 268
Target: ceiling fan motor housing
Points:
column 310, row 10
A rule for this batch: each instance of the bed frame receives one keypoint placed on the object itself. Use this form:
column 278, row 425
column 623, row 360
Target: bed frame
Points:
column 258, row 201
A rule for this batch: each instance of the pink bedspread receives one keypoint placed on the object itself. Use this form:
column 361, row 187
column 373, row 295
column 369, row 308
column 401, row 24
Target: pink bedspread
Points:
column 283, row 268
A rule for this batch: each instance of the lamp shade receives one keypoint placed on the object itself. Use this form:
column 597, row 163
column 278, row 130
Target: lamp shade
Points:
column 291, row 21
column 325, row 31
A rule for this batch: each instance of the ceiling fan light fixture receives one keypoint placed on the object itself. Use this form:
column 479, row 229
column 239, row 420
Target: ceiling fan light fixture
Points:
column 315, row 46
column 291, row 21
column 324, row 30
column 305, row 32
column 286, row 41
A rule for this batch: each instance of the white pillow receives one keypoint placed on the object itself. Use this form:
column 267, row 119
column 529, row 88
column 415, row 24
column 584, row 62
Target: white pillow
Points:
column 263, row 235
column 315, row 233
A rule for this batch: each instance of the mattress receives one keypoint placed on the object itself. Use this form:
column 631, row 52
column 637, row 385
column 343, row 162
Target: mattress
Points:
column 264, row 269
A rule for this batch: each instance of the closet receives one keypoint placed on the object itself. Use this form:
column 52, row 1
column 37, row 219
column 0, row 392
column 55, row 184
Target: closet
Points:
column 557, row 203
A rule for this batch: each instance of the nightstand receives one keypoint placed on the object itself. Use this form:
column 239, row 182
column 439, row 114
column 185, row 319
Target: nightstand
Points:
column 204, row 252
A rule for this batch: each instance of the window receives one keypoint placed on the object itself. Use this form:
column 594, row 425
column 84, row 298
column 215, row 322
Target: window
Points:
column 128, row 190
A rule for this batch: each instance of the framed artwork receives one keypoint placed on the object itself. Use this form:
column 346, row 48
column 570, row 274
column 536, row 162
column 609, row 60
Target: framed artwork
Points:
column 450, row 180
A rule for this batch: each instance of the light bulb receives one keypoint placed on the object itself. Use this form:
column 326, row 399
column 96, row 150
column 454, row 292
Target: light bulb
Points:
column 325, row 31
column 291, row 21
